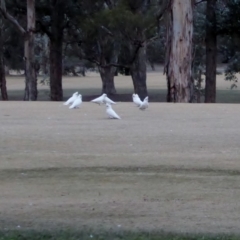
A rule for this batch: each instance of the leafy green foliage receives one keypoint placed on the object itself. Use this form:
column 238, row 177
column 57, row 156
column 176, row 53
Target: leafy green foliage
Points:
column 229, row 35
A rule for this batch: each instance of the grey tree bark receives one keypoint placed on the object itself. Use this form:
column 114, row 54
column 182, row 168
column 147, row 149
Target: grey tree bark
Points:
column 211, row 52
column 179, row 51
column 30, row 81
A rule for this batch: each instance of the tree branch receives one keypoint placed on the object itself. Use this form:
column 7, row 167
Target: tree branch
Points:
column 10, row 18
column 148, row 41
column 110, row 4
column 107, row 30
column 200, row 1
column 115, row 65
column 159, row 15
column 93, row 60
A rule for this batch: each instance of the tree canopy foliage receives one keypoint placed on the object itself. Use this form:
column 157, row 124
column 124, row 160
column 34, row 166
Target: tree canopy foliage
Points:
column 115, row 36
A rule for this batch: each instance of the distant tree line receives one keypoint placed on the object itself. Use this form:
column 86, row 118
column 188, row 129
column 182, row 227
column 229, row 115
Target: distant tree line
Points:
column 56, row 37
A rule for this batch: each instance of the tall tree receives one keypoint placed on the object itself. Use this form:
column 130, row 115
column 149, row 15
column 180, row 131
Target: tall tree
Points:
column 179, row 51
column 31, row 82
column 138, row 22
column 53, row 17
column 56, row 42
column 211, row 52
column 99, row 42
column 31, row 79
column 3, row 86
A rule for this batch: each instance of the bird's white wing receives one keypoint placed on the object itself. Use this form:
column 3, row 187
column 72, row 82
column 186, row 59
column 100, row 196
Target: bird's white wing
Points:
column 144, row 105
column 70, row 100
column 76, row 103
column 137, row 101
column 108, row 100
column 112, row 114
column 98, row 100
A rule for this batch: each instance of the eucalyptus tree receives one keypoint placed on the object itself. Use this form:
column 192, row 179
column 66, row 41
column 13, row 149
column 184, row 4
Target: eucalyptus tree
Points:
column 51, row 20
column 96, row 39
column 28, row 35
column 138, row 24
column 179, row 51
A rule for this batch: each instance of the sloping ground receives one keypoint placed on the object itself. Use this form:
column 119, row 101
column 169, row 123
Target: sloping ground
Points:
column 173, row 167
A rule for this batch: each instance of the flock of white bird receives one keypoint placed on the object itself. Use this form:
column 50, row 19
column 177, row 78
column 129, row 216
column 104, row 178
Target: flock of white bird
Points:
column 76, row 100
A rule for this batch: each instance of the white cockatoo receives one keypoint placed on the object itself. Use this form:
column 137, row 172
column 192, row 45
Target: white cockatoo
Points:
column 144, row 104
column 71, row 99
column 99, row 100
column 77, row 102
column 111, row 113
column 136, row 100
column 103, row 99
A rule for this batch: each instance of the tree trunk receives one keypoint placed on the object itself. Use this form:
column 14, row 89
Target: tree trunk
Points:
column 56, row 41
column 211, row 52
column 107, row 73
column 3, row 86
column 179, row 51
column 31, row 80
column 139, row 72
column 45, row 55
column 7, row 70
column 107, row 76
column 3, row 83
column 56, row 70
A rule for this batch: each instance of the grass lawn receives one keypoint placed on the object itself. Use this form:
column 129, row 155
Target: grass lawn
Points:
column 87, row 235
column 172, row 168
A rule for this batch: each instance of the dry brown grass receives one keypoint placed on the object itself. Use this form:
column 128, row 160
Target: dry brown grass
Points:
column 173, row 167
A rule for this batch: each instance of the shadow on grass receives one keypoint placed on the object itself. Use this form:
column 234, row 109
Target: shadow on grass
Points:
column 155, row 95
column 119, row 235
column 88, row 95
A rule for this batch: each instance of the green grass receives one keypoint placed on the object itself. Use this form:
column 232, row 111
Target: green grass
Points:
column 90, row 235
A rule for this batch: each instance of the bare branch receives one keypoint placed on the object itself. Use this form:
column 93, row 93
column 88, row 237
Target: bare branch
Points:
column 11, row 19
column 110, row 4
column 159, row 15
column 148, row 41
column 200, row 1
column 115, row 65
column 107, row 30
column 99, row 64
